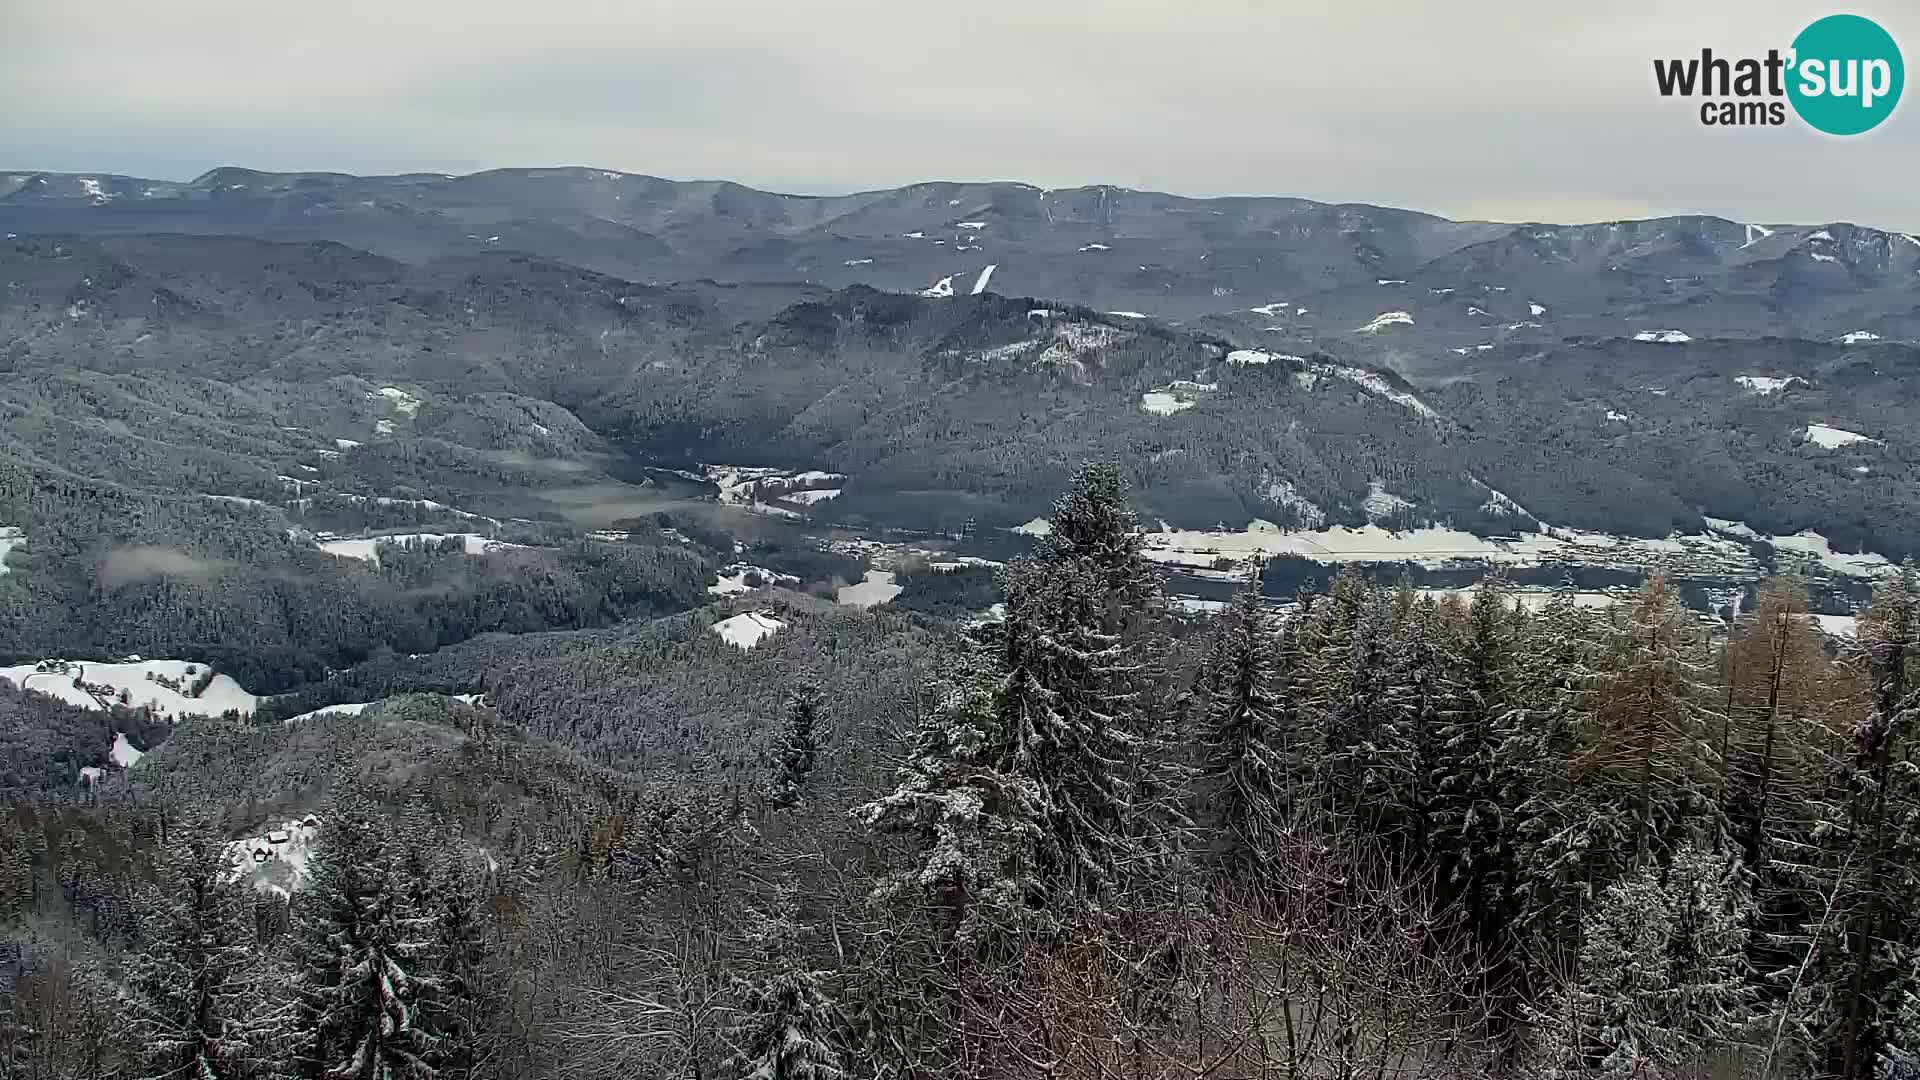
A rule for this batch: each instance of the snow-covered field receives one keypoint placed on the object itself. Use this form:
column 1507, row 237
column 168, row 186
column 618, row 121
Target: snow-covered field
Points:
column 751, row 487
column 160, row 685
column 1664, row 337
column 10, row 538
column 747, row 629
column 1832, row 438
column 367, row 548
column 1161, row 403
column 877, row 588
column 1441, row 548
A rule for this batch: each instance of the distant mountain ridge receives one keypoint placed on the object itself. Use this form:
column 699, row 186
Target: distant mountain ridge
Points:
column 1292, row 267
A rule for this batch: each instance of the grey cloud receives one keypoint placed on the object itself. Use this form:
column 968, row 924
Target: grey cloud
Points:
column 1500, row 108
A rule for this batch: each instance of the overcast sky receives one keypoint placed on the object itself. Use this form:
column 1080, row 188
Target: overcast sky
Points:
column 1507, row 109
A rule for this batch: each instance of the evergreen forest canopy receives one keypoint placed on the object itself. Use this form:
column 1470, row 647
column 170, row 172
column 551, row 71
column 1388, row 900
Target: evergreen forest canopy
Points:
column 1376, row 833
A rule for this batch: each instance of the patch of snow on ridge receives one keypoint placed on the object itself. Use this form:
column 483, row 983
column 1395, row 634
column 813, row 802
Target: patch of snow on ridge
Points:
column 1832, row 438
column 1128, row 314
column 1374, row 384
column 747, row 629
column 980, row 283
column 1385, row 319
column 1270, row 310
column 1535, row 309
column 353, row 709
column 1858, row 336
column 1096, row 247
column 940, row 289
column 1664, row 337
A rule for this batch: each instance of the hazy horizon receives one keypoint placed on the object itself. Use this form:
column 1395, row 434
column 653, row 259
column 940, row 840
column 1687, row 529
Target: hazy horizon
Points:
column 1499, row 110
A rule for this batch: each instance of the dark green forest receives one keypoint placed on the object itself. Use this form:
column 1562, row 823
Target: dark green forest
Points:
column 1363, row 833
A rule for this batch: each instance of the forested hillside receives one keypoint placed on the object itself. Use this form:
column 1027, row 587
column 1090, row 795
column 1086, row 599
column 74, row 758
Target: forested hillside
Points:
column 1372, row 832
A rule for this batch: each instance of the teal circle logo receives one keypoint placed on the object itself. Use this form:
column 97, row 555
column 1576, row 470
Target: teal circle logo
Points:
column 1846, row 75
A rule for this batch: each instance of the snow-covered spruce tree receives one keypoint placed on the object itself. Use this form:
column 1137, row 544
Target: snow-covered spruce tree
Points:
column 1558, row 821
column 1419, row 666
column 455, row 999
column 1369, row 751
column 1662, row 980
column 363, row 960
column 785, row 1018
column 799, row 745
column 1096, row 543
column 1323, row 681
column 1066, row 704
column 1243, row 777
column 974, row 828
column 188, row 983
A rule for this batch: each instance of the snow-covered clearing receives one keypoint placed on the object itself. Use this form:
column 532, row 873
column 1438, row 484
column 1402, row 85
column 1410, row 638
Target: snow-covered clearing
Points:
column 10, row 538
column 980, row 283
column 1037, row 527
column 1832, row 438
column 939, row 290
column 1096, row 247
column 1270, row 310
column 1767, row 384
column 747, row 629
column 1664, row 337
column 1381, row 503
column 1162, row 404
column 277, row 860
column 1127, row 314
column 124, row 753
column 1839, row 626
column 808, row 498
column 1535, row 310
column 346, row 444
column 876, row 588
column 734, row 579
column 1858, row 336
column 367, row 548
column 160, row 685
column 403, row 403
